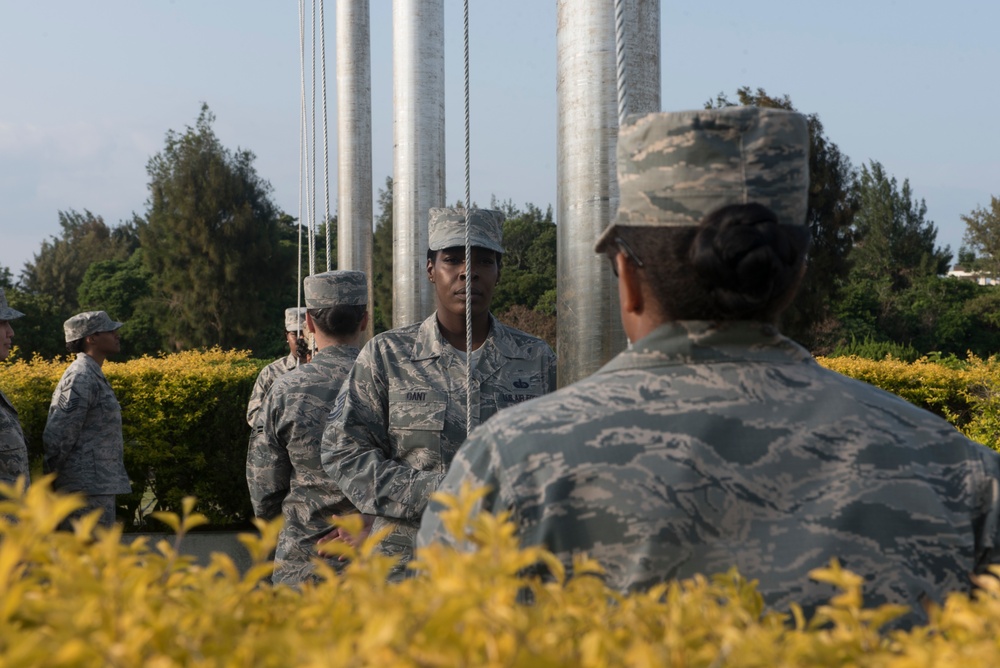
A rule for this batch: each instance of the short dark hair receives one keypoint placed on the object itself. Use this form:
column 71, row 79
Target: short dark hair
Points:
column 432, row 254
column 338, row 321
column 75, row 346
column 739, row 263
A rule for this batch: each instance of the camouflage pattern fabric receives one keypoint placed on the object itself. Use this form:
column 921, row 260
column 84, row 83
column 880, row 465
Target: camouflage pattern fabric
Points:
column 83, row 434
column 446, row 229
column 295, row 319
column 13, row 450
column 103, row 502
column 283, row 465
column 342, row 287
column 676, row 168
column 82, row 325
column 706, row 447
column 265, row 379
column 400, row 417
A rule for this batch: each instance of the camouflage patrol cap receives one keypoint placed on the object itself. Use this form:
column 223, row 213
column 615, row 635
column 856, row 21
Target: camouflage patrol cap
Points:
column 447, row 229
column 675, row 168
column 336, row 288
column 295, row 319
column 6, row 312
column 82, row 325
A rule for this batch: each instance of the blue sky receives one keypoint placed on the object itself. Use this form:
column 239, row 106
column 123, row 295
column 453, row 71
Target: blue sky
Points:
column 89, row 89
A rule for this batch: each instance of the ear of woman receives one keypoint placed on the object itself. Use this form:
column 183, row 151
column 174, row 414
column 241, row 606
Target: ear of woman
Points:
column 638, row 312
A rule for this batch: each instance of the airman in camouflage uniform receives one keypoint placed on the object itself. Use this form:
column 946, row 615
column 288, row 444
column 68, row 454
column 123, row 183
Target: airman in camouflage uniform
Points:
column 83, row 434
column 401, row 414
column 718, row 443
column 295, row 324
column 283, row 464
column 13, row 450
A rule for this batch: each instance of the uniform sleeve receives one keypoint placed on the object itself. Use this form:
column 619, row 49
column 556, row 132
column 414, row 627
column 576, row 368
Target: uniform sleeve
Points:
column 476, row 464
column 988, row 538
column 257, row 396
column 356, row 451
column 67, row 412
column 13, row 451
column 549, row 367
column 269, row 468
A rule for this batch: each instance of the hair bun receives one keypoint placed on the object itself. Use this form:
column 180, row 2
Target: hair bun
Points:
column 743, row 257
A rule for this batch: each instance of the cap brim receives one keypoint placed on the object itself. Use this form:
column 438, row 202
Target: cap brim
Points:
column 476, row 243
column 9, row 313
column 606, row 237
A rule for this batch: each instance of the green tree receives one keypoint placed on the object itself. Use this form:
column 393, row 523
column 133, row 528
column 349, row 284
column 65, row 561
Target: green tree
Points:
column 58, row 268
column 211, row 241
column 269, row 340
column 382, row 260
column 895, row 292
column 123, row 289
column 40, row 331
column 831, row 206
column 894, row 242
column 982, row 238
column 529, row 263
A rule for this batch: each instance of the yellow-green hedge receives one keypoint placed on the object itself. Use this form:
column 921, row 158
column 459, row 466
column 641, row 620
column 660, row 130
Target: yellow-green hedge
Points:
column 86, row 599
column 183, row 423
column 185, row 433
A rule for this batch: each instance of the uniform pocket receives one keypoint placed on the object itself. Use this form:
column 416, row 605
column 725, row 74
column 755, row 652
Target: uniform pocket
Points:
column 416, row 423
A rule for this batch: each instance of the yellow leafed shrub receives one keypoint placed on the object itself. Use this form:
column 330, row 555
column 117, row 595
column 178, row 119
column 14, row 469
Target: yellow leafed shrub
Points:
column 87, row 599
column 182, row 418
column 185, row 432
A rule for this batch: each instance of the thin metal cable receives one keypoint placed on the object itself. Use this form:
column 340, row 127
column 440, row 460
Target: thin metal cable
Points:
column 620, row 58
column 326, row 145
column 302, row 139
column 468, row 239
column 312, row 172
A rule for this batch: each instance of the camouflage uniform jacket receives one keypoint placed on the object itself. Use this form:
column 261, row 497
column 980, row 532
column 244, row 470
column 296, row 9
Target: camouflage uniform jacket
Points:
column 704, row 448
column 401, row 415
column 83, row 434
column 13, row 451
column 265, row 379
column 283, row 467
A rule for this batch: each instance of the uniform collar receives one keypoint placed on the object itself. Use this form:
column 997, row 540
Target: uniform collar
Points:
column 705, row 342
column 430, row 344
column 334, row 352
column 90, row 363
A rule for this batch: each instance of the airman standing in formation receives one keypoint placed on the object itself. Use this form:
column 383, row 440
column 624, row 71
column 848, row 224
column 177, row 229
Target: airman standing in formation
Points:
column 13, row 450
column 714, row 441
column 83, row 434
column 295, row 326
column 283, row 462
column 401, row 414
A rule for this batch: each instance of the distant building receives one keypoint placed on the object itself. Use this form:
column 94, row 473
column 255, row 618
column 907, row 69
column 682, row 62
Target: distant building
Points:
column 982, row 279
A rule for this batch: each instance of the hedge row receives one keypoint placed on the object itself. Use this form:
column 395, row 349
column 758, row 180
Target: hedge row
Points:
column 184, row 425
column 70, row 600
column 185, row 432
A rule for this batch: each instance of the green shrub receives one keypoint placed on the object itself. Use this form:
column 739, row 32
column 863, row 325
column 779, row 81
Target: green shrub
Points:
column 871, row 349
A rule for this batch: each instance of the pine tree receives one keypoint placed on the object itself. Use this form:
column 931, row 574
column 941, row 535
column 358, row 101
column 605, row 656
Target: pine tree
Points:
column 211, row 241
